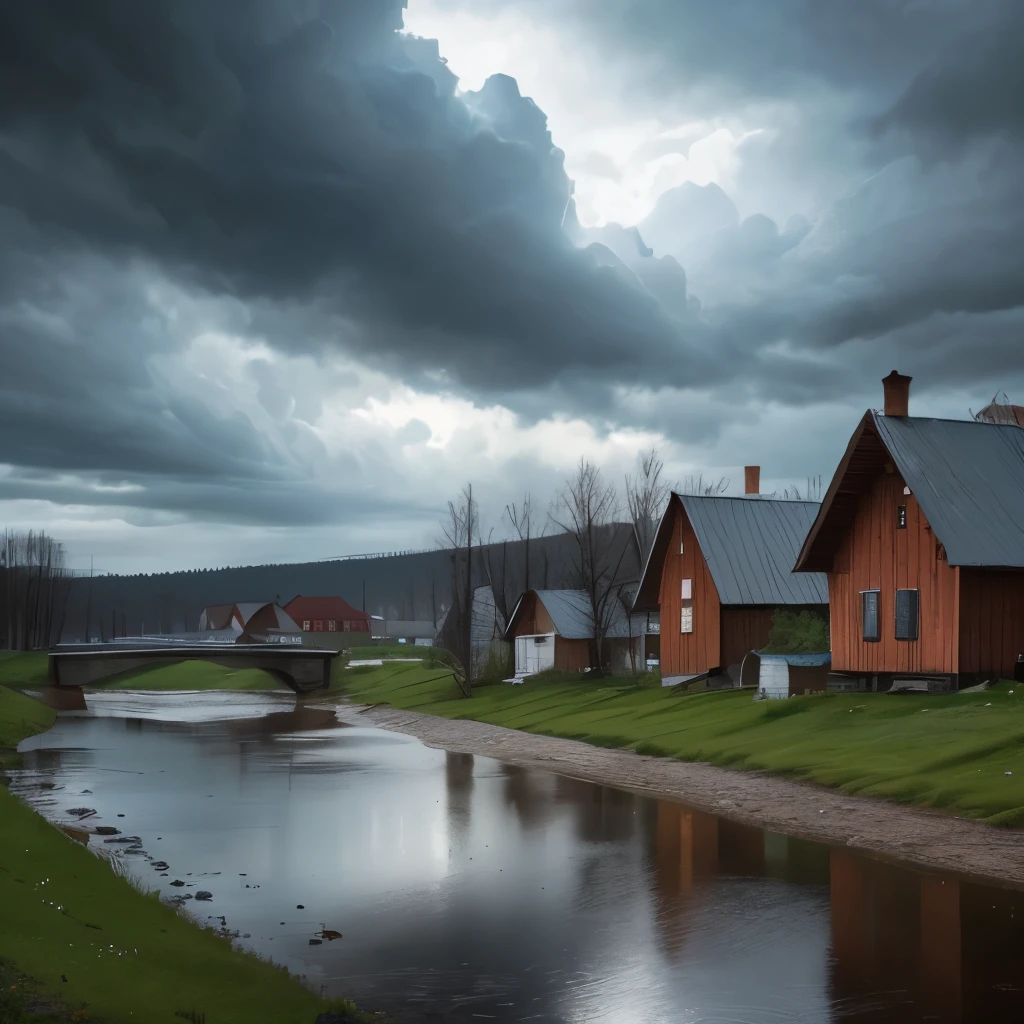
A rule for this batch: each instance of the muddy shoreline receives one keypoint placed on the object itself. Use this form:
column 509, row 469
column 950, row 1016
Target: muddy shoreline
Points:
column 922, row 838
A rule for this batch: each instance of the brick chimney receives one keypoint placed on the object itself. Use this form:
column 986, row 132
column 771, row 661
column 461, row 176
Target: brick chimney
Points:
column 752, row 479
column 897, row 394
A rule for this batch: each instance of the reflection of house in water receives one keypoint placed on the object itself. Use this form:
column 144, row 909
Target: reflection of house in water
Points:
column 601, row 814
column 951, row 946
column 692, row 847
column 530, row 794
column 894, row 931
column 458, row 777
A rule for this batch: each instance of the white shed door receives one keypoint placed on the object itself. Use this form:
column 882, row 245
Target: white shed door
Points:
column 535, row 654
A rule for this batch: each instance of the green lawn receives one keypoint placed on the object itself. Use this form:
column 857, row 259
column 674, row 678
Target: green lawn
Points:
column 23, row 669
column 126, row 957
column 193, row 675
column 949, row 751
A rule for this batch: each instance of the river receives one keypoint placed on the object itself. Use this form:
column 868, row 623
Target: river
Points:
column 465, row 889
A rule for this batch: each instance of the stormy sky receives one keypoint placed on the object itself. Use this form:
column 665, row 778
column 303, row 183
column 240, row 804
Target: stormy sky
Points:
column 278, row 276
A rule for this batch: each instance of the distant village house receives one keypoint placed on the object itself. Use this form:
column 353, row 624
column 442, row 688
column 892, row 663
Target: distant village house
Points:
column 327, row 615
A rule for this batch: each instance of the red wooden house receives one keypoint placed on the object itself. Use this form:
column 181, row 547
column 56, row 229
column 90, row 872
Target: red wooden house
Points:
column 327, row 615
column 719, row 568
column 921, row 534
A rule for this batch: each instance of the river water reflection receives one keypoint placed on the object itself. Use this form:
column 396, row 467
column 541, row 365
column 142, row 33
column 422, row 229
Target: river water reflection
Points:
column 467, row 889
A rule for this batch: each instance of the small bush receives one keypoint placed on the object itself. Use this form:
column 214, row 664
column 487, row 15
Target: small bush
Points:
column 798, row 633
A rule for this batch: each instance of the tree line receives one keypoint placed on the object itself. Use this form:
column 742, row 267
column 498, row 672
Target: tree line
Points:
column 34, row 588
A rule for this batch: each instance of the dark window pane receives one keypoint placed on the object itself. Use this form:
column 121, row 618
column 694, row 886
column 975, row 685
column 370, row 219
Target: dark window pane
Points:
column 906, row 614
column 870, row 615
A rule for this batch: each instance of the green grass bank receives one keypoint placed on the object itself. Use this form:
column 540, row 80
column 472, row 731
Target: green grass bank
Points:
column 126, row 957
column 950, row 752
column 28, row 670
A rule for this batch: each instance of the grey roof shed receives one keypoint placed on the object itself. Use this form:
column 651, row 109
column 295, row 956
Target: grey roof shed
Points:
column 572, row 617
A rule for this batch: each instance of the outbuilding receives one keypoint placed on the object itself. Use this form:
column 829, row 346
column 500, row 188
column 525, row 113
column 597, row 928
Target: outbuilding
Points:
column 791, row 675
column 554, row 629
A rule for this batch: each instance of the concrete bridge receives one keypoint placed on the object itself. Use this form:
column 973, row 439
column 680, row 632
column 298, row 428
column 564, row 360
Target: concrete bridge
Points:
column 303, row 669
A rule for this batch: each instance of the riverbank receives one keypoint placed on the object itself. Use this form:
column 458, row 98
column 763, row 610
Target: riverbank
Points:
column 960, row 754
column 806, row 811
column 94, row 944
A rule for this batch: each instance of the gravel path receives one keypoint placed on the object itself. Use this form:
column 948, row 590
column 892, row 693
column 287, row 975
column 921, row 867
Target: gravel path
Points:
column 892, row 831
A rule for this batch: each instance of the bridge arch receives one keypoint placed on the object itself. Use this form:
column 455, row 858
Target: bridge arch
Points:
column 302, row 669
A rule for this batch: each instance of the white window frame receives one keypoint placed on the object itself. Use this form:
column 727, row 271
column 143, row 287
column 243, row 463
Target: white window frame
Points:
column 686, row 606
column 305, row 625
column 331, row 623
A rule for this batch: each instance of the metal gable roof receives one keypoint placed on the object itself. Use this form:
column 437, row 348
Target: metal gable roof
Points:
column 573, row 620
column 968, row 478
column 751, row 545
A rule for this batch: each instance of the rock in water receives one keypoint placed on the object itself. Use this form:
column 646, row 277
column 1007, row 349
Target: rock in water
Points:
column 204, row 895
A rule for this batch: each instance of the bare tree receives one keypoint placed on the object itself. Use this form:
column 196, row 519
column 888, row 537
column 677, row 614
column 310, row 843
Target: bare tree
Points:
column 813, row 492
column 646, row 497
column 707, row 488
column 521, row 518
column 585, row 509
column 458, row 532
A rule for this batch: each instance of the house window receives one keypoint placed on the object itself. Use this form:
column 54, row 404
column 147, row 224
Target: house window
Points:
column 869, row 616
column 330, row 625
column 318, row 625
column 907, row 614
column 901, row 517
column 348, row 626
column 686, row 612
column 305, row 625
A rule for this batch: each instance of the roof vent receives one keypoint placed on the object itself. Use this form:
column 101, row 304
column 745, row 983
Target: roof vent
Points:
column 752, row 479
column 897, row 394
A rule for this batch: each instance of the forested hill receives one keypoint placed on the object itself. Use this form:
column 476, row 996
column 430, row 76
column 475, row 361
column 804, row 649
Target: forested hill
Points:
column 404, row 586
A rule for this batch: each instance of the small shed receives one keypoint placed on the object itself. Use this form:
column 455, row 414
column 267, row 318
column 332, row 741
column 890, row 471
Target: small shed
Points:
column 555, row 629
column 790, row 675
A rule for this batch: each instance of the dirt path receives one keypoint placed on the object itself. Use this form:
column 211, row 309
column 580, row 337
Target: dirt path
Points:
column 871, row 826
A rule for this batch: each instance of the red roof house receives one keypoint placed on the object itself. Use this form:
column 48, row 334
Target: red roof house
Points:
column 327, row 615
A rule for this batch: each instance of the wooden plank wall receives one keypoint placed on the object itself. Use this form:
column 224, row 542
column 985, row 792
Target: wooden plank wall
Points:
column 744, row 629
column 572, row 655
column 875, row 554
column 685, row 653
column 991, row 621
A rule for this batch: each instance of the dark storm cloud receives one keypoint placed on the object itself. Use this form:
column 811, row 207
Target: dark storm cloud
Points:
column 243, row 501
column 305, row 162
column 971, row 90
column 306, row 153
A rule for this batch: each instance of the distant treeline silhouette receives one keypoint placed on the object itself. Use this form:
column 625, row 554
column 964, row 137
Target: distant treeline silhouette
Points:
column 396, row 587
